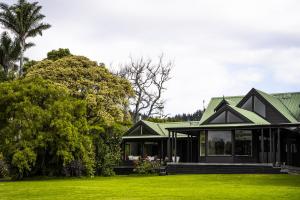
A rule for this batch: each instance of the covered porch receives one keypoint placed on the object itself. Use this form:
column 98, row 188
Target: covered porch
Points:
column 149, row 140
column 275, row 145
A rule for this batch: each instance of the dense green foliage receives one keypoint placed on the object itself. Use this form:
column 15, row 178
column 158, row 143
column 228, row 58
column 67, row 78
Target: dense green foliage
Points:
column 43, row 129
column 106, row 97
column 235, row 187
column 28, row 64
column 65, row 117
column 106, row 94
column 58, row 54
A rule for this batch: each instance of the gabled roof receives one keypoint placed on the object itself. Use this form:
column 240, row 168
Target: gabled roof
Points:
column 278, row 105
column 223, row 103
column 287, row 104
column 214, row 102
column 159, row 129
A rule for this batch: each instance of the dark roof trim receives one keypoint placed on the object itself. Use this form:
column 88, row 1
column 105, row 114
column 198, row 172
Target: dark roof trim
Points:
column 253, row 92
column 187, row 129
column 221, row 104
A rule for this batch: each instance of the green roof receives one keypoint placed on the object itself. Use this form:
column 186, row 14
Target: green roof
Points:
column 278, row 104
column 161, row 128
column 292, row 102
column 286, row 103
column 214, row 102
column 253, row 117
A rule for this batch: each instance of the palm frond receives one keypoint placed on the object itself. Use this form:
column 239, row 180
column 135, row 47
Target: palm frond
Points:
column 29, row 45
column 38, row 30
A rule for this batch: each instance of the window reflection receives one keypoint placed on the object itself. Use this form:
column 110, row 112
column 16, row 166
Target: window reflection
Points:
column 219, row 143
column 243, row 143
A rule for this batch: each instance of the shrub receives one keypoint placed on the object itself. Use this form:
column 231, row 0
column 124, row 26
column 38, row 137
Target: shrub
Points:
column 146, row 167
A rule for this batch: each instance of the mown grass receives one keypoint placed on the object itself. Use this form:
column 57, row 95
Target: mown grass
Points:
column 206, row 187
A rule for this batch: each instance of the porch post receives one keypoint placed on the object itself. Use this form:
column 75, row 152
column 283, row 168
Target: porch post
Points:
column 270, row 140
column 262, row 146
column 123, row 147
column 143, row 144
column 175, row 148
column 172, row 146
column 198, row 149
column 278, row 146
column 274, row 148
column 191, row 149
column 206, row 143
column 188, row 148
column 168, row 146
column 161, row 150
column 233, row 143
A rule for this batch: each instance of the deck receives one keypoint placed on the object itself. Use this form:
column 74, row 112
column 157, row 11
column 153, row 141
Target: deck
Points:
column 209, row 168
column 222, row 168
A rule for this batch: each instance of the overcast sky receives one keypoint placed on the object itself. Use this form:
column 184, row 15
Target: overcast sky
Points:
column 218, row 47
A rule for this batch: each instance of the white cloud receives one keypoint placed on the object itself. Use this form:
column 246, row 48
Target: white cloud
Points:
column 219, row 47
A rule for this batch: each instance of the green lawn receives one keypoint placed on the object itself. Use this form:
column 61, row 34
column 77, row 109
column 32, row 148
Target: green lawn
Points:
column 206, row 187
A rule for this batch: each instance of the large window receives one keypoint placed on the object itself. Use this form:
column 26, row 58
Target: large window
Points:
column 243, row 143
column 220, row 119
column 254, row 104
column 202, row 143
column 226, row 117
column 219, row 143
column 231, row 118
column 259, row 107
column 248, row 104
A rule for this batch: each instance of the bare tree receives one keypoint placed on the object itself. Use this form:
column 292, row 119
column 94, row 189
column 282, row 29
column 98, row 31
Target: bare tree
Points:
column 148, row 79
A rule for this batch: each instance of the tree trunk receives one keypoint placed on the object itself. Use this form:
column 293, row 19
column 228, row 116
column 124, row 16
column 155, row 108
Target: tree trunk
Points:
column 21, row 59
column 5, row 68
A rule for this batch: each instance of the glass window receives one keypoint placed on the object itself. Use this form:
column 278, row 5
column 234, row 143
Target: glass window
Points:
column 248, row 104
column 219, row 143
column 243, row 143
column 231, row 118
column 202, row 143
column 219, row 119
column 259, row 107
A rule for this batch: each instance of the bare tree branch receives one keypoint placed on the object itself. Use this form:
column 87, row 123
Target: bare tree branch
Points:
column 148, row 80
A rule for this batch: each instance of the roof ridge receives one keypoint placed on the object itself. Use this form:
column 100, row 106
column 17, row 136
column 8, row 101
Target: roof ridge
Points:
column 221, row 97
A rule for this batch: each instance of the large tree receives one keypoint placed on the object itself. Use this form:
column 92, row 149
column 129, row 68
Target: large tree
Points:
column 149, row 80
column 24, row 20
column 43, row 130
column 105, row 94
